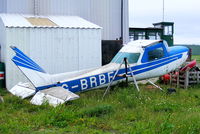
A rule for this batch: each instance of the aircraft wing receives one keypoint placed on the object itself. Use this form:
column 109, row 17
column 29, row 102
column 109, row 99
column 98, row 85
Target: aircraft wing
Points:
column 23, row 90
column 54, row 96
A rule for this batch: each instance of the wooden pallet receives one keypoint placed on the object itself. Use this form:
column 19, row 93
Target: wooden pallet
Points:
column 185, row 79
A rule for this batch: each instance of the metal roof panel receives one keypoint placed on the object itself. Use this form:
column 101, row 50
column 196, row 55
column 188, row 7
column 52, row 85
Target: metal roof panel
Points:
column 16, row 20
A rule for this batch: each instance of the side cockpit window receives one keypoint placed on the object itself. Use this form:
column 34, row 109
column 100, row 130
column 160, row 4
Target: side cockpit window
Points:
column 155, row 54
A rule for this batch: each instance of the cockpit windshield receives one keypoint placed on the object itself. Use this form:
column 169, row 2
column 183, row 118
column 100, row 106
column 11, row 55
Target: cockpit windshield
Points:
column 132, row 57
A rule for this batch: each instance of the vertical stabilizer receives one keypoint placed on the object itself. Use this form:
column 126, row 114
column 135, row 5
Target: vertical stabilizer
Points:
column 37, row 76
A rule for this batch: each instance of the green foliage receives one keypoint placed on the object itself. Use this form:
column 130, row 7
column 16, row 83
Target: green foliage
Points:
column 59, row 117
column 123, row 110
column 165, row 106
column 197, row 57
column 97, row 111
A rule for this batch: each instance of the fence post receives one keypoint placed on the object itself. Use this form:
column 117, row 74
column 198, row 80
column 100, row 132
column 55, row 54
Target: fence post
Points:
column 186, row 82
column 177, row 78
column 170, row 80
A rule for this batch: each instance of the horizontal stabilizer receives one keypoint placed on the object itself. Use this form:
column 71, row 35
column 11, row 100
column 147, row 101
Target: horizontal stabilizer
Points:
column 54, row 96
column 23, row 90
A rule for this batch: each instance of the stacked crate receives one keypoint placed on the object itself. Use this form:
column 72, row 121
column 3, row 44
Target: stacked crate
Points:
column 186, row 78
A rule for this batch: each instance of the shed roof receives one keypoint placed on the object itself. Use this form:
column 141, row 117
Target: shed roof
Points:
column 16, row 20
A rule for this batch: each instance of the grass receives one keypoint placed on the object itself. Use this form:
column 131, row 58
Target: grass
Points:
column 197, row 57
column 124, row 110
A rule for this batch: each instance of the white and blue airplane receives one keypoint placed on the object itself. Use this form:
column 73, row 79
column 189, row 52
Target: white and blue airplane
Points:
column 146, row 59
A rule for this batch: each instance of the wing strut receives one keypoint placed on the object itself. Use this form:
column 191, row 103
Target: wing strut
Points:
column 133, row 76
column 155, row 85
column 126, row 75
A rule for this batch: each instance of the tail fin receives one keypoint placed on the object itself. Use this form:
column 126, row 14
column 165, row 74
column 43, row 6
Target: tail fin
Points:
column 37, row 76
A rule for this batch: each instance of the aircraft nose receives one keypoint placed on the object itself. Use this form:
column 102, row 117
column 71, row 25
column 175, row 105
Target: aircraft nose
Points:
column 186, row 49
column 178, row 49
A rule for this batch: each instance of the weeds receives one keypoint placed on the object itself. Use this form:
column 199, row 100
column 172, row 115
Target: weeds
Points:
column 97, row 111
column 123, row 110
column 165, row 106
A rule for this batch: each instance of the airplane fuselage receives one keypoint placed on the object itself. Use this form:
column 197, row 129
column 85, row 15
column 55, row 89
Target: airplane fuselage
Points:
column 102, row 76
column 145, row 59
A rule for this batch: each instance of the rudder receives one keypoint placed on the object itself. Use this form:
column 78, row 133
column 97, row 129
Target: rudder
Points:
column 36, row 75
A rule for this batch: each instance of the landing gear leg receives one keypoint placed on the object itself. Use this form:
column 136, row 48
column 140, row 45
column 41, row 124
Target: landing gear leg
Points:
column 155, row 85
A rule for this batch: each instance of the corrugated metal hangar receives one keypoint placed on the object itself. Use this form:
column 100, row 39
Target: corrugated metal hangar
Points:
column 50, row 34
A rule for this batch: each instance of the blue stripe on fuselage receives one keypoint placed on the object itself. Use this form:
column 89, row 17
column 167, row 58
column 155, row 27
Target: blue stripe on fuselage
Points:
column 89, row 82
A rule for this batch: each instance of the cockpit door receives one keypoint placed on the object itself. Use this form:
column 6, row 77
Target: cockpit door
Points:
column 154, row 60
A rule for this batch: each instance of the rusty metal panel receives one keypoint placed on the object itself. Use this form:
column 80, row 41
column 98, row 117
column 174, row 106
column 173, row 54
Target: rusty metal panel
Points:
column 41, row 21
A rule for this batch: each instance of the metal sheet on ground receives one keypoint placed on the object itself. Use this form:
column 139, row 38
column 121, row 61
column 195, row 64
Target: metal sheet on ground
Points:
column 54, row 96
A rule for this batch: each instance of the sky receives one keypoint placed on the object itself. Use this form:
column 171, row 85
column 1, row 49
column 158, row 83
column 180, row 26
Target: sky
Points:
column 184, row 13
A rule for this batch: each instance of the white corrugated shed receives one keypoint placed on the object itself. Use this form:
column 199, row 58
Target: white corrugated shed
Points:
column 71, row 44
column 105, row 13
